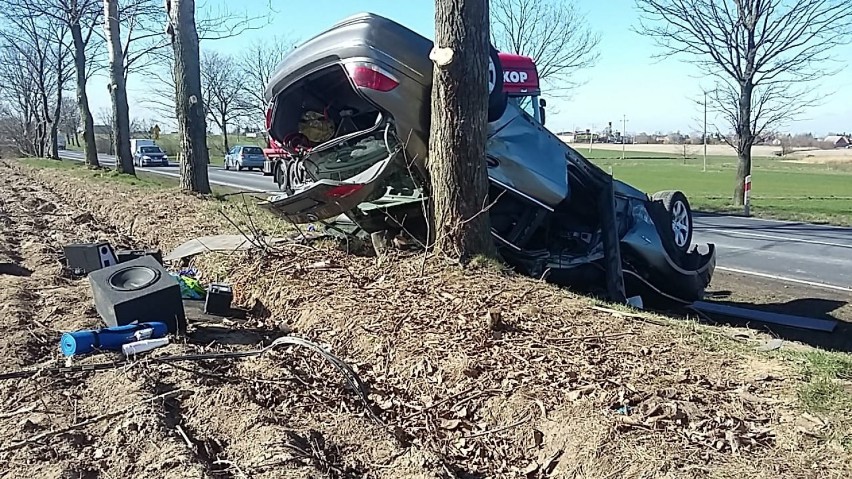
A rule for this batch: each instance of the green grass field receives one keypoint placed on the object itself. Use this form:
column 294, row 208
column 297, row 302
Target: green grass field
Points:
column 820, row 193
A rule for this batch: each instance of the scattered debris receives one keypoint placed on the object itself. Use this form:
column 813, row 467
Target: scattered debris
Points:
column 801, row 322
column 219, row 244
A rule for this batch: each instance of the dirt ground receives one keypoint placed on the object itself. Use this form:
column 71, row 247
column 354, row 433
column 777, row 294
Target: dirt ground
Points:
column 472, row 373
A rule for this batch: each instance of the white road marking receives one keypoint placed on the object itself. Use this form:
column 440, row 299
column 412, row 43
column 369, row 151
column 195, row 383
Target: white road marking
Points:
column 699, row 219
column 774, row 237
column 785, row 279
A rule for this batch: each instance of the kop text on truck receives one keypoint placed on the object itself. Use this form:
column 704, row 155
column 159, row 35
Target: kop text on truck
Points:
column 348, row 123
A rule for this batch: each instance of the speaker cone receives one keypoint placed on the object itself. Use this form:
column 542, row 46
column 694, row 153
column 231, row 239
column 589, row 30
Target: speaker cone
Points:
column 133, row 278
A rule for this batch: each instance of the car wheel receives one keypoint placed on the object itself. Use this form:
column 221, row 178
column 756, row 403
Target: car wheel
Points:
column 680, row 214
column 227, row 165
column 239, row 166
column 497, row 98
column 281, row 175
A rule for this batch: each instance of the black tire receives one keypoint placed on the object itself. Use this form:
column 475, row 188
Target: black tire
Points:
column 239, row 167
column 680, row 215
column 497, row 99
column 280, row 175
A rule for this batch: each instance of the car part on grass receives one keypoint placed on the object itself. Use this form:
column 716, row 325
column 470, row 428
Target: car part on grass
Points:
column 218, row 244
column 800, row 322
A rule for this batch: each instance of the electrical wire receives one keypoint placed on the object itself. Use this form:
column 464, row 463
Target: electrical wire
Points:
column 352, row 379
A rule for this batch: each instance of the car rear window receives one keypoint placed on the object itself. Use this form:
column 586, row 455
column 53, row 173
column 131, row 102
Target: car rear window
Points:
column 253, row 150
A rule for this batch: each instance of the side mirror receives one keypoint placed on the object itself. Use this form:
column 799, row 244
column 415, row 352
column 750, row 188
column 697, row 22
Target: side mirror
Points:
column 542, row 105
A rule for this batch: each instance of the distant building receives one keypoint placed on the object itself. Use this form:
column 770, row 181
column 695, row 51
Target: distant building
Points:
column 838, row 141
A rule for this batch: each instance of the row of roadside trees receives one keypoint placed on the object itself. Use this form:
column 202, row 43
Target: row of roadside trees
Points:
column 763, row 55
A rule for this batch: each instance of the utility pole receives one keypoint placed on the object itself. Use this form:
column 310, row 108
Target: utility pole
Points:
column 623, row 134
column 705, row 131
column 591, row 136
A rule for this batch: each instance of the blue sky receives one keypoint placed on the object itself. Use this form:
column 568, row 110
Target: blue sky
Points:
column 655, row 96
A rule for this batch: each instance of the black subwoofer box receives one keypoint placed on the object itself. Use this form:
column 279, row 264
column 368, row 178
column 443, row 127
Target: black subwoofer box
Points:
column 138, row 290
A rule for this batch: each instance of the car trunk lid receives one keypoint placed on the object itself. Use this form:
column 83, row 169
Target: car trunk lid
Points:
column 342, row 173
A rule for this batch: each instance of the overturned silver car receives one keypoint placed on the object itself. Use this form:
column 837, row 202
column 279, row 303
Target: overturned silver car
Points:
column 349, row 123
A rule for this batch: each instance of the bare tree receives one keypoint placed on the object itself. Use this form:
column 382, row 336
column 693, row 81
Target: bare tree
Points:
column 765, row 55
column 19, row 100
column 106, row 117
column 224, row 88
column 189, row 102
column 41, row 41
column 118, row 89
column 211, row 25
column 457, row 167
column 80, row 17
column 258, row 62
column 69, row 120
column 554, row 33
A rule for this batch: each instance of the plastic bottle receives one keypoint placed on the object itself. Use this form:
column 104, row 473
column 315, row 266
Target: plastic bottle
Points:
column 130, row 349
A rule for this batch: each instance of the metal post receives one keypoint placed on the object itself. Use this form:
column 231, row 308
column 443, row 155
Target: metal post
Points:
column 591, row 136
column 747, row 196
column 705, row 131
column 623, row 132
column 611, row 244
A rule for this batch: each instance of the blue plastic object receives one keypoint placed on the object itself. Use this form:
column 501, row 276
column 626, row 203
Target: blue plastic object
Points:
column 111, row 339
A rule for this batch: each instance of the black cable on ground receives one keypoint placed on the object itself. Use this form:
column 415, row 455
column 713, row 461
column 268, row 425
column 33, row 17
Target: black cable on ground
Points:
column 352, row 379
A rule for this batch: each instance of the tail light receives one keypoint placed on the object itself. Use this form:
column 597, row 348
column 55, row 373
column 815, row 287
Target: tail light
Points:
column 368, row 75
column 343, row 191
column 269, row 117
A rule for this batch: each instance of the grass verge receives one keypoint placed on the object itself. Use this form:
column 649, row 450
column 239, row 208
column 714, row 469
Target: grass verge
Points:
column 817, row 193
column 240, row 211
column 78, row 169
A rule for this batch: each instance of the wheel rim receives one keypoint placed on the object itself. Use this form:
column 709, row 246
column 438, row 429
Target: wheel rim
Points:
column 680, row 223
column 492, row 75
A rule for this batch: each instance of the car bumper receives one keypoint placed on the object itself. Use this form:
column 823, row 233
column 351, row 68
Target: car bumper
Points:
column 252, row 164
column 154, row 162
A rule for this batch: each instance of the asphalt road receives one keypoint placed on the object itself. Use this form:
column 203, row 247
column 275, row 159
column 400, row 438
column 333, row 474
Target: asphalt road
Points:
column 244, row 180
column 792, row 252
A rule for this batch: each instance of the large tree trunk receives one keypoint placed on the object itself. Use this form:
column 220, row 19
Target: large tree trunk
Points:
column 45, row 149
column 458, row 131
column 118, row 90
column 57, row 112
column 90, row 147
column 745, row 140
column 225, row 133
column 192, row 124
